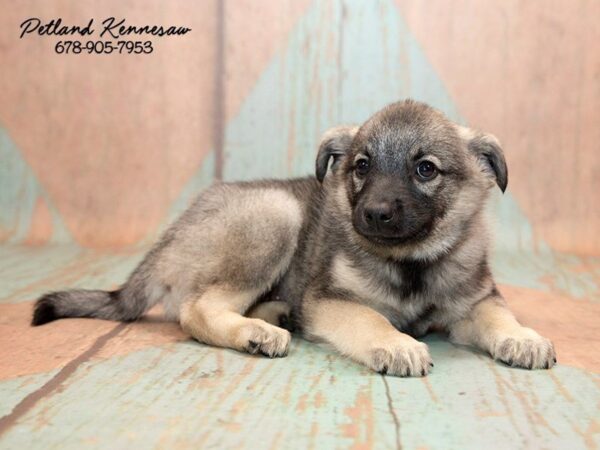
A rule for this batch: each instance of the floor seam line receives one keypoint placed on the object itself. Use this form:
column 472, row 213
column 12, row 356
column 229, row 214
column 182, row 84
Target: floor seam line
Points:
column 32, row 399
column 392, row 412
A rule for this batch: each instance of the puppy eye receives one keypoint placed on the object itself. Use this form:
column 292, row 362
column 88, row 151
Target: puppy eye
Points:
column 362, row 167
column 426, row 170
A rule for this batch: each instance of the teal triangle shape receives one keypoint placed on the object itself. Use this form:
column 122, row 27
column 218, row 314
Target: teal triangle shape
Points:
column 342, row 61
column 19, row 192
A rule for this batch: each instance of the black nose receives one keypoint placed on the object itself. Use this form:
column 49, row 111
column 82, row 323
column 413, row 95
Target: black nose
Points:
column 379, row 214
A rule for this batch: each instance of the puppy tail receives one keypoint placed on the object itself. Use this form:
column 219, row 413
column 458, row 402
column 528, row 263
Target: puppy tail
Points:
column 109, row 305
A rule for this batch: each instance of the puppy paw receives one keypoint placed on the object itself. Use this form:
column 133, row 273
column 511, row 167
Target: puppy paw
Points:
column 406, row 357
column 274, row 312
column 265, row 339
column 529, row 350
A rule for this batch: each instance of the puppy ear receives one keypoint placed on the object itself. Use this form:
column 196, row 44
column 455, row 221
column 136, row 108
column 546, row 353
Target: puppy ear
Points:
column 335, row 142
column 488, row 152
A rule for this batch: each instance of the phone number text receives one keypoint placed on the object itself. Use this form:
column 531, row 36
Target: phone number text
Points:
column 103, row 47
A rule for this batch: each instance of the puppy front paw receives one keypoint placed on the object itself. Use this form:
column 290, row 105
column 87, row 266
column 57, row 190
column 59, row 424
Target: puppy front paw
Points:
column 264, row 338
column 528, row 350
column 405, row 357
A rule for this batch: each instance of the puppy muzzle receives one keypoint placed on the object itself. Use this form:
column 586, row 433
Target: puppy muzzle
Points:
column 386, row 223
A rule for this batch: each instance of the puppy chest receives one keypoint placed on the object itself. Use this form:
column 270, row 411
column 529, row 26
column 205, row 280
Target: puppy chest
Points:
column 397, row 294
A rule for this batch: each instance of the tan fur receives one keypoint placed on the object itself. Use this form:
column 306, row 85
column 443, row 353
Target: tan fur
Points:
column 243, row 223
column 366, row 336
column 370, row 291
column 492, row 327
column 361, row 258
column 333, row 134
column 467, row 134
column 216, row 319
column 370, row 295
column 270, row 312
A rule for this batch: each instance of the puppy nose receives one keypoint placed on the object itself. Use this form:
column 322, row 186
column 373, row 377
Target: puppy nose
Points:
column 379, row 214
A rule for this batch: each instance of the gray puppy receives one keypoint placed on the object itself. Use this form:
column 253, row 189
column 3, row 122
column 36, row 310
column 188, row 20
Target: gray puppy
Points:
column 387, row 243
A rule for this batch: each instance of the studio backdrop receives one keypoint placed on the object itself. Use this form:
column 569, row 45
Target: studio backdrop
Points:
column 105, row 149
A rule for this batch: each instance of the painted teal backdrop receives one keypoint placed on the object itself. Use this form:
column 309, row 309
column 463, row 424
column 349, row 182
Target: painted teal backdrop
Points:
column 98, row 153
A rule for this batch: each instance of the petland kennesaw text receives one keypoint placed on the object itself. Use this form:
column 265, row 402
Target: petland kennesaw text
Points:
column 111, row 28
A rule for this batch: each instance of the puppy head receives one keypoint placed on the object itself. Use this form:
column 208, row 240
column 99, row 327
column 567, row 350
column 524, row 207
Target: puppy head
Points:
column 409, row 179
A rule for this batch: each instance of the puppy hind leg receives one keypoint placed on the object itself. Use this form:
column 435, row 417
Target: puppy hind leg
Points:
column 274, row 312
column 250, row 242
column 216, row 318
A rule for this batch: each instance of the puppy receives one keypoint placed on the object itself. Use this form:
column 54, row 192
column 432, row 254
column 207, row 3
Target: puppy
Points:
column 387, row 243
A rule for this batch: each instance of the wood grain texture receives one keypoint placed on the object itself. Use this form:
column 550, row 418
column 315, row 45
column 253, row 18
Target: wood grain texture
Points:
column 132, row 128
column 255, row 31
column 103, row 152
column 529, row 73
column 111, row 138
column 82, row 382
column 98, row 149
column 187, row 395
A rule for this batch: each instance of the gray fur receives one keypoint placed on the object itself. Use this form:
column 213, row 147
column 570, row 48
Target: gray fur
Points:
column 230, row 236
column 333, row 145
column 304, row 240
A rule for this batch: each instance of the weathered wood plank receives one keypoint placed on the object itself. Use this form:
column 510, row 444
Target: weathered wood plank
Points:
column 13, row 391
column 188, row 395
column 183, row 394
column 543, row 108
column 26, row 272
column 111, row 139
column 97, row 384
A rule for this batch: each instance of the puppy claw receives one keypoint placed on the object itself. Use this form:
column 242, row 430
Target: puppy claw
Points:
column 265, row 339
column 406, row 358
column 252, row 347
column 262, row 352
column 530, row 351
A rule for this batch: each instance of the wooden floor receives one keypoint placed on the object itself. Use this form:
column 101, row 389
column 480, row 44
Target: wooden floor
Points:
column 102, row 151
column 81, row 383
